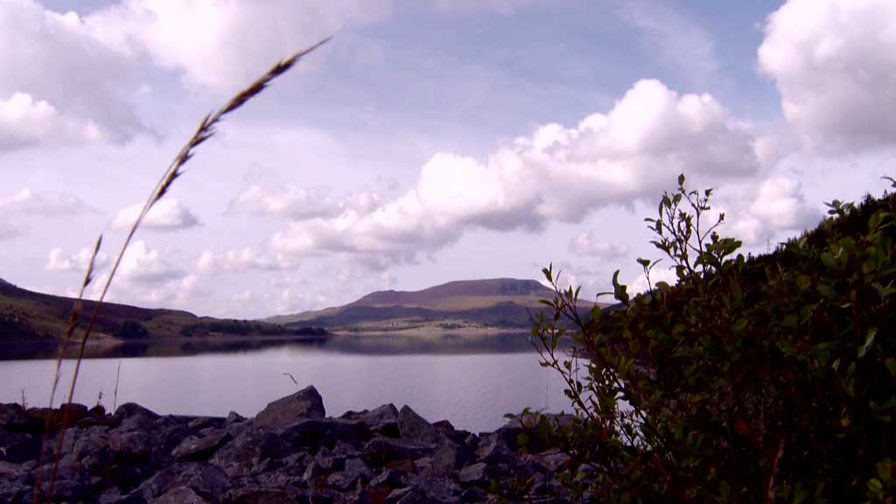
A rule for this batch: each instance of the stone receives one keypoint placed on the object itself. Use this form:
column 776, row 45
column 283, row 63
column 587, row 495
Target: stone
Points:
column 201, row 448
column 305, row 403
column 382, row 420
column 414, row 427
column 474, row 474
column 180, row 495
column 205, row 480
column 312, row 433
column 381, row 451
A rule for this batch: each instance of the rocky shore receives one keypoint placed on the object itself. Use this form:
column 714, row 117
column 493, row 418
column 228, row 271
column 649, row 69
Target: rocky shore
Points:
column 290, row 452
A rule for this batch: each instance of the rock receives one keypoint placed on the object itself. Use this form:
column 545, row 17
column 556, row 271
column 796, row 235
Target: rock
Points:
column 305, row 403
column 180, row 495
column 131, row 446
column 14, row 419
column 381, row 451
column 493, row 450
column 414, row 427
column 19, row 447
column 388, row 478
column 131, row 416
column 354, row 470
column 382, row 420
column 201, row 448
column 313, row 433
column 204, row 480
column 246, row 453
column 260, row 495
column 234, row 417
column 474, row 474
column 474, row 494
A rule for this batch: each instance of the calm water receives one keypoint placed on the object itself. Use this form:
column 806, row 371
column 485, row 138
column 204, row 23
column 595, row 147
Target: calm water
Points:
column 471, row 382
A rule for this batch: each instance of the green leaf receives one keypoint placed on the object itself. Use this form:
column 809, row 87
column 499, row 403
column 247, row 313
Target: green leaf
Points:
column 869, row 340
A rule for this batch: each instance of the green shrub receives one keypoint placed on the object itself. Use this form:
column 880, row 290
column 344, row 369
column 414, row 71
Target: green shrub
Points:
column 767, row 379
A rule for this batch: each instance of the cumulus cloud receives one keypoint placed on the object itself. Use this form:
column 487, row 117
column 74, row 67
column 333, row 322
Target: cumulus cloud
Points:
column 590, row 244
column 167, row 214
column 641, row 284
column 834, row 64
column 142, row 264
column 243, row 259
column 25, row 121
column 557, row 174
column 288, row 202
column 777, row 205
column 57, row 81
column 28, row 202
column 57, row 260
column 224, row 43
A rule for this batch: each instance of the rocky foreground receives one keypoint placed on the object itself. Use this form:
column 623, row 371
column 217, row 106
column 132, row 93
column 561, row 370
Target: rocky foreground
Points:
column 290, row 452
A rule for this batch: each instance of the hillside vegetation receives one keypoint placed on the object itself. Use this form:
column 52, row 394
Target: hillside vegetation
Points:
column 32, row 316
column 754, row 379
column 500, row 303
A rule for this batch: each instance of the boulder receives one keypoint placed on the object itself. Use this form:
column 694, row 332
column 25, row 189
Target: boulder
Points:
column 305, row 403
column 414, row 427
column 201, row 448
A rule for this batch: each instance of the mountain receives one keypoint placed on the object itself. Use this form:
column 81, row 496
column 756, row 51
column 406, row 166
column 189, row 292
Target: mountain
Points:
column 28, row 315
column 503, row 303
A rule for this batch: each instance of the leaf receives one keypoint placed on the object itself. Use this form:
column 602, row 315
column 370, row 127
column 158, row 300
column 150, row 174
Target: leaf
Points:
column 869, row 340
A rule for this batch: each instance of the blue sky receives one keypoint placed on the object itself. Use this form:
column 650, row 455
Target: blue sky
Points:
column 429, row 141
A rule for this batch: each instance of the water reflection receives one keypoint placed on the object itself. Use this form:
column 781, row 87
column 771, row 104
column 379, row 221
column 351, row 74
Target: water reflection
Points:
column 471, row 381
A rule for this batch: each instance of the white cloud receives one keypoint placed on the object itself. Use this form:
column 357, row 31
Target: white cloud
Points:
column 25, row 121
column 590, row 244
column 57, row 260
column 759, row 213
column 834, row 64
column 166, row 214
column 142, row 264
column 28, row 202
column 225, row 43
column 57, row 82
column 288, row 202
column 641, row 284
column 242, row 260
column 557, row 174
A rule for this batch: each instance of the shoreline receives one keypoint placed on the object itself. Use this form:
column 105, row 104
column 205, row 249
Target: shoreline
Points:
column 290, row 451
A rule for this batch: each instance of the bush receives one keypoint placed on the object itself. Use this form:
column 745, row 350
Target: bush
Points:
column 131, row 329
column 766, row 379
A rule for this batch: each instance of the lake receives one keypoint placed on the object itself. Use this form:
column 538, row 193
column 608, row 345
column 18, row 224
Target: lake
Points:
column 470, row 381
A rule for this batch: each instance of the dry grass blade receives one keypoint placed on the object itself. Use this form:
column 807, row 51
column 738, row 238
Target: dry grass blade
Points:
column 204, row 131
column 69, row 332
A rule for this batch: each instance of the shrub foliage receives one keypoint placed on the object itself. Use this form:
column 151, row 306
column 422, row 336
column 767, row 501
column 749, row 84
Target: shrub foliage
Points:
column 754, row 379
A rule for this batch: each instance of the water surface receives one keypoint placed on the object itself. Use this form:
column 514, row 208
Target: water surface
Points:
column 472, row 382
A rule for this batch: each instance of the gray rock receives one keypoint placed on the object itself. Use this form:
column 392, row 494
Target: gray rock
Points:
column 305, row 403
column 414, row 427
column 180, row 495
column 313, row 433
column 205, row 480
column 382, row 420
column 380, row 451
column 474, row 474
column 201, row 448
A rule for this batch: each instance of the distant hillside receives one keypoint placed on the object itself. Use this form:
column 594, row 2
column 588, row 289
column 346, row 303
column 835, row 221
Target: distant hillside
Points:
column 502, row 303
column 28, row 315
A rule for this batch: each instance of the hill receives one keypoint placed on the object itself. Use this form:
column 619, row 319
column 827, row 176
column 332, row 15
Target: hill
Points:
column 29, row 316
column 498, row 303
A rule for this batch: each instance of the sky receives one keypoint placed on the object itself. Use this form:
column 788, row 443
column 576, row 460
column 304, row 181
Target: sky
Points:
column 429, row 141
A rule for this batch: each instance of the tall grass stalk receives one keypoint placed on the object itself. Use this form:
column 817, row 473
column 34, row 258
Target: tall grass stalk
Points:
column 205, row 130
